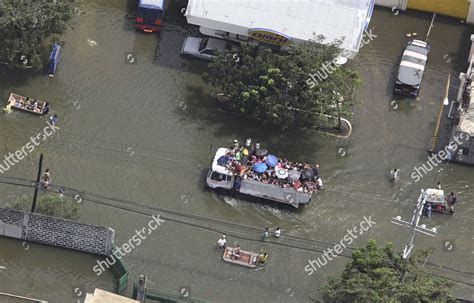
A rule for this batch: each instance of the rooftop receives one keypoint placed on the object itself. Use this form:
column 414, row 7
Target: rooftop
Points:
column 102, row 296
column 298, row 19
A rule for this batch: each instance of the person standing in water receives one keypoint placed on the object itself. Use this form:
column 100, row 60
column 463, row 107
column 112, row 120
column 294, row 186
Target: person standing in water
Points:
column 277, row 232
column 394, row 175
column 46, row 179
column 265, row 235
column 53, row 119
column 222, row 242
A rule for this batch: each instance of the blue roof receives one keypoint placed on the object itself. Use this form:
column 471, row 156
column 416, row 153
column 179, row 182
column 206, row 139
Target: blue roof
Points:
column 152, row 4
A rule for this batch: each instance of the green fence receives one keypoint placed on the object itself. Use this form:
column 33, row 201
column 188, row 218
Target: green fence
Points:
column 166, row 296
column 122, row 272
column 161, row 295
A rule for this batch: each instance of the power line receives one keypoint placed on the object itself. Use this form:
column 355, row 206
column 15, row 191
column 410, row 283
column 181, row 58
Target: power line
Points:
column 88, row 196
column 365, row 194
column 209, row 220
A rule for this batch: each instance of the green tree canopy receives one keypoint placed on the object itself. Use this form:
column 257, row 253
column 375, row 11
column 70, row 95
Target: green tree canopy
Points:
column 25, row 24
column 276, row 87
column 375, row 275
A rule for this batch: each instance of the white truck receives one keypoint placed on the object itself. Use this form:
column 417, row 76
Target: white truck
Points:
column 220, row 177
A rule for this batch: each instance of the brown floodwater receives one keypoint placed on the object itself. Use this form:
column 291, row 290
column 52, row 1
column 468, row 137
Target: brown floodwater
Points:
column 144, row 132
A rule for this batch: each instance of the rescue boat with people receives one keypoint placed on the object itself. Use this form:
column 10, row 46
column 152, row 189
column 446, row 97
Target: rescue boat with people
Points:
column 22, row 103
column 244, row 258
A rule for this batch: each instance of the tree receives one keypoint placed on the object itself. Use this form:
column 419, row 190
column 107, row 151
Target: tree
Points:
column 375, row 275
column 24, row 26
column 51, row 205
column 277, row 87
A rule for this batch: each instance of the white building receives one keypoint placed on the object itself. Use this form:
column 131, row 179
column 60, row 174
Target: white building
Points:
column 282, row 22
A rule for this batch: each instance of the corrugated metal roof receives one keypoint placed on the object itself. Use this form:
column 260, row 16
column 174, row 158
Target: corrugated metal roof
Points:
column 299, row 19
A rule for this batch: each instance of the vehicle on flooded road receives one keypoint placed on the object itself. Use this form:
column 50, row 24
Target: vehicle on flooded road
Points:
column 412, row 66
column 150, row 15
column 204, row 48
column 260, row 178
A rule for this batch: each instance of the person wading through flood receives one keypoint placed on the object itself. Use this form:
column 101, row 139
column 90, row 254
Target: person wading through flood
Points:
column 451, row 199
column 46, row 178
column 394, row 175
column 263, row 257
column 221, row 243
column 265, row 235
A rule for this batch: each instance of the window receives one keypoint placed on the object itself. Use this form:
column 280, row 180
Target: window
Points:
column 218, row 177
column 221, row 33
column 242, row 38
column 207, row 52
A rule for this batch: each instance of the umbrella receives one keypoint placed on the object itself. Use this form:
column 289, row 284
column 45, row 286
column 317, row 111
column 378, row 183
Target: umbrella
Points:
column 307, row 174
column 294, row 175
column 260, row 167
column 272, row 160
column 281, row 173
column 261, row 152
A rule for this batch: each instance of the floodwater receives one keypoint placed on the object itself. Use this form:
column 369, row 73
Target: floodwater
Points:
column 144, row 132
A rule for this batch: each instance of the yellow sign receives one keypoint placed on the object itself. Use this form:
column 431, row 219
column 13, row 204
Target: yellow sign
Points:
column 269, row 36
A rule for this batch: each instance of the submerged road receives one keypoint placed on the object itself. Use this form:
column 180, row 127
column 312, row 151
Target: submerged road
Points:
column 143, row 133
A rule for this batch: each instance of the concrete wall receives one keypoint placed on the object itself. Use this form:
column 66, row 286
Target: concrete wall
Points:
column 453, row 8
column 57, row 232
column 461, row 9
column 470, row 15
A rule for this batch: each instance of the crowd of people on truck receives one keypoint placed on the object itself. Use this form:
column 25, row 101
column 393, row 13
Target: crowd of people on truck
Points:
column 241, row 161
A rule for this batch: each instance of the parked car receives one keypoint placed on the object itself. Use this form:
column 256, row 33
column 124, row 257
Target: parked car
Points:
column 412, row 66
column 204, row 48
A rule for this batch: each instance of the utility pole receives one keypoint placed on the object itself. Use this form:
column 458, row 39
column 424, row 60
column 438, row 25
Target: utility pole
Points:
column 38, row 178
column 338, row 115
column 445, row 102
column 413, row 225
column 414, row 228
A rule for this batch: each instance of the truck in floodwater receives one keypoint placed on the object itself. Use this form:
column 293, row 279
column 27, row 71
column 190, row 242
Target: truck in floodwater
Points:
column 280, row 190
column 150, row 15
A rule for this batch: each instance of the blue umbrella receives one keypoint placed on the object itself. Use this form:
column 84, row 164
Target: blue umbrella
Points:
column 260, row 167
column 272, row 160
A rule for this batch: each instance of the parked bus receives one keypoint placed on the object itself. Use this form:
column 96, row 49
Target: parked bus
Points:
column 150, row 15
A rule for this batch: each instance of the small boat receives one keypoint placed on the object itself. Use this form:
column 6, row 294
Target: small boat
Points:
column 246, row 258
column 26, row 104
column 54, row 59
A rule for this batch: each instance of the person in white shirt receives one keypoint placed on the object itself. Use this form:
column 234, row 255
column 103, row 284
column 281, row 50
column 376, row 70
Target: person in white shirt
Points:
column 394, row 175
column 277, row 232
column 319, row 183
column 221, row 243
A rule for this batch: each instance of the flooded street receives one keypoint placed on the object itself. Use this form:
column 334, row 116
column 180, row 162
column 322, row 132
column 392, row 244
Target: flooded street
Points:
column 146, row 130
